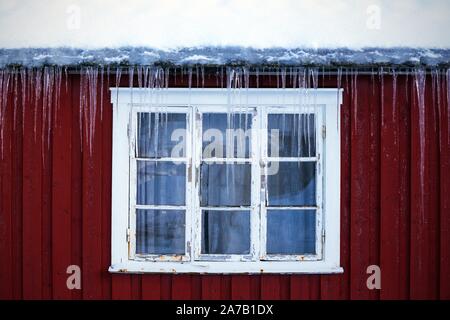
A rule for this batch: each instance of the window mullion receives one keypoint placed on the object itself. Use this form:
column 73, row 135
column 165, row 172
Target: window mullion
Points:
column 255, row 221
column 263, row 181
column 196, row 158
column 189, row 183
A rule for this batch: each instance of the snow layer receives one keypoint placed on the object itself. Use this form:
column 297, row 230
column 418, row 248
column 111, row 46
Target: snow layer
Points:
column 251, row 23
column 225, row 56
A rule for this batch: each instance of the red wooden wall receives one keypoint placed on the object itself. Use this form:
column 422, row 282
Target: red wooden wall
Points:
column 395, row 207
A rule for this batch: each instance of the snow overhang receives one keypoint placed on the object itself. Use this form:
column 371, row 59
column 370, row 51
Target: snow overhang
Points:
column 227, row 56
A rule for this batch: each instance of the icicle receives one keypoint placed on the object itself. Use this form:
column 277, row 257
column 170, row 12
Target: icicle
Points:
column 246, row 72
column 355, row 95
column 339, row 86
column 15, row 81
column 4, row 87
column 130, row 81
column 118, row 76
column 420, row 78
column 448, row 105
column 67, row 78
column 24, row 88
column 37, row 95
column 394, row 94
column 434, row 89
column 381, row 78
column 82, row 104
column 202, row 69
column 47, row 104
column 190, row 77
column 315, row 80
column 102, row 76
column 58, row 84
column 438, row 93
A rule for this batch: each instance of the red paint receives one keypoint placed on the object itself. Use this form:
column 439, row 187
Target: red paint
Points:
column 56, row 204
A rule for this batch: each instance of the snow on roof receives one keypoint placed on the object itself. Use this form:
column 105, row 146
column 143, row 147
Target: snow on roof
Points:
column 216, row 56
column 246, row 23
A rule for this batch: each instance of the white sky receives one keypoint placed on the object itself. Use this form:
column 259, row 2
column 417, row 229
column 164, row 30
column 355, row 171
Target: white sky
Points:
column 251, row 23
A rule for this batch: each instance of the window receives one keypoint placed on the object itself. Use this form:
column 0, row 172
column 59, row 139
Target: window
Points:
column 209, row 181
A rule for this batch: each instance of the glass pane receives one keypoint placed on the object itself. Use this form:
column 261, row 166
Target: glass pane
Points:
column 160, row 232
column 225, row 184
column 226, row 135
column 291, row 135
column 161, row 183
column 291, row 183
column 226, row 232
column 291, row 232
column 161, row 135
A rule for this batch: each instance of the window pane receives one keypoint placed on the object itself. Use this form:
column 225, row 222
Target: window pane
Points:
column 292, row 184
column 226, row 136
column 160, row 232
column 225, row 232
column 161, row 183
column 291, row 135
column 225, row 184
column 291, row 232
column 161, row 135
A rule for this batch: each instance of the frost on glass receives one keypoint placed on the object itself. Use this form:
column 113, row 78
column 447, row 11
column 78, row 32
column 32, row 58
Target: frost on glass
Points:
column 225, row 232
column 293, row 185
column 225, row 184
column 291, row 232
column 160, row 232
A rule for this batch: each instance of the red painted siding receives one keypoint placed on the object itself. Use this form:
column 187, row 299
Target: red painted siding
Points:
column 395, row 209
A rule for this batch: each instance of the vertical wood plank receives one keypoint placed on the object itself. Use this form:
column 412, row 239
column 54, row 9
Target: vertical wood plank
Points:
column 76, row 182
column 92, row 206
column 270, row 287
column 106, row 125
column 360, row 217
column 151, row 287
column 305, row 287
column 17, row 188
column 136, row 287
column 6, row 195
column 181, row 287
column 61, row 195
column 390, row 200
column 32, row 199
column 211, row 287
column 240, row 287
column 423, row 246
column 166, row 286
column 121, row 287
column 374, row 164
column 46, row 196
column 392, row 187
column 338, row 286
column 444, row 124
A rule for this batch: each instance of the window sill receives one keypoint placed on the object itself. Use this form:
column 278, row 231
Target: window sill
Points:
column 199, row 267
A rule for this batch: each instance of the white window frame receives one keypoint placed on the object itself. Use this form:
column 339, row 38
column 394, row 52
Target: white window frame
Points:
column 128, row 102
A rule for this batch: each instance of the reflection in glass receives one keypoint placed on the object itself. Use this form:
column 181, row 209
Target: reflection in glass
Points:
column 225, row 232
column 226, row 135
column 160, row 232
column 225, row 184
column 291, row 135
column 291, row 232
column 161, row 183
column 161, row 135
column 293, row 184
